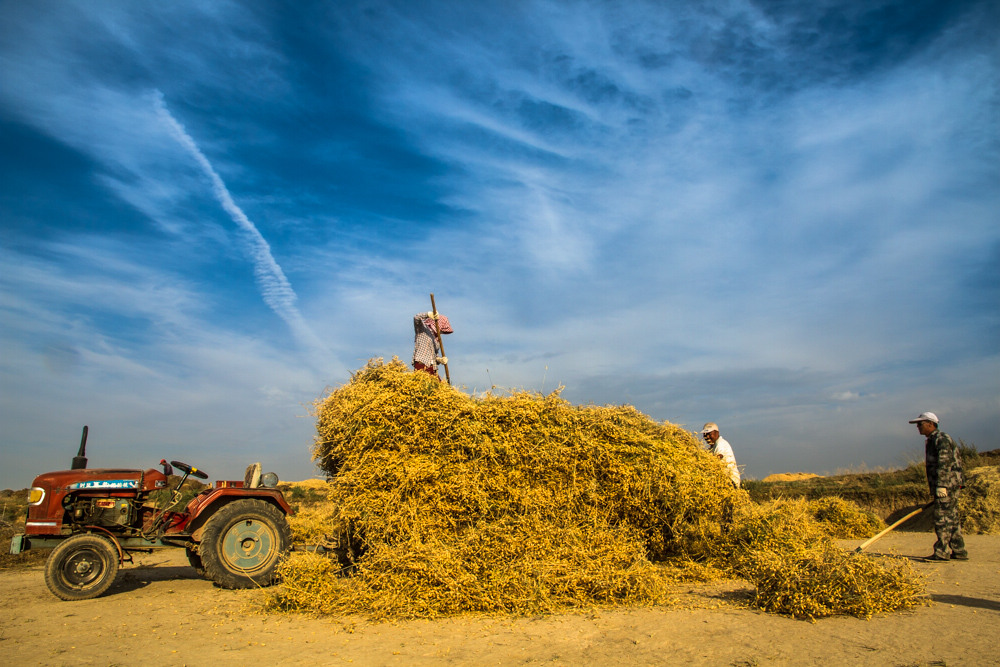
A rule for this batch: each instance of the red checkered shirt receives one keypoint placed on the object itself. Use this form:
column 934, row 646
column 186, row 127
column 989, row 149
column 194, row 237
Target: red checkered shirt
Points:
column 425, row 347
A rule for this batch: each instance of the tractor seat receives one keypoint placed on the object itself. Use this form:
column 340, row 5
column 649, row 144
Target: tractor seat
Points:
column 251, row 479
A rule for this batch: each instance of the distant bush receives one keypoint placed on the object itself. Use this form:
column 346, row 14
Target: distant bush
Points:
column 972, row 458
column 886, row 494
column 12, row 505
column 880, row 493
column 13, row 510
column 296, row 494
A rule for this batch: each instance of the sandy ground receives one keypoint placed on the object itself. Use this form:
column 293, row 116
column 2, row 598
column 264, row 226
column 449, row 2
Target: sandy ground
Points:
column 160, row 611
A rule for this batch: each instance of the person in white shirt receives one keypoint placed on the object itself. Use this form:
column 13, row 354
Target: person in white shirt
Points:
column 722, row 449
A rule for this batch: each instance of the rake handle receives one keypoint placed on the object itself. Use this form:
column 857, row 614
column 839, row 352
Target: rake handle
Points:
column 898, row 523
column 437, row 333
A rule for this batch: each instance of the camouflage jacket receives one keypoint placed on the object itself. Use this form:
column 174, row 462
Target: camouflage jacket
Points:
column 944, row 466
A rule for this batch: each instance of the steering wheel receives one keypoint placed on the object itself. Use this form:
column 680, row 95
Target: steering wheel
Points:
column 188, row 470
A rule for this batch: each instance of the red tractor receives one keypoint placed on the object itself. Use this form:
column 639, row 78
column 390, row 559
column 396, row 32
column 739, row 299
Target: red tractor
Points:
column 93, row 519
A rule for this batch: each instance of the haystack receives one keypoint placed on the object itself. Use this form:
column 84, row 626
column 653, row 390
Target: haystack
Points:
column 518, row 503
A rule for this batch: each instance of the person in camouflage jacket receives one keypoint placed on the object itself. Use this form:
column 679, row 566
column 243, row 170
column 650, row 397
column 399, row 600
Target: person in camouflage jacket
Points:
column 945, row 480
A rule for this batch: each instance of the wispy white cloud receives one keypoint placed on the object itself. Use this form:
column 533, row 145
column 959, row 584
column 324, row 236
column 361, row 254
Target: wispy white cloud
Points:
column 696, row 233
column 91, row 337
column 276, row 291
column 678, row 206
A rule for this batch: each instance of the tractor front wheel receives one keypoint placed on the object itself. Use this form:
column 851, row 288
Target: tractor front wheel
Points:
column 243, row 543
column 82, row 567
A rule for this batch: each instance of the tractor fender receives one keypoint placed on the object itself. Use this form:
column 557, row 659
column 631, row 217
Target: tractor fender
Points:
column 203, row 506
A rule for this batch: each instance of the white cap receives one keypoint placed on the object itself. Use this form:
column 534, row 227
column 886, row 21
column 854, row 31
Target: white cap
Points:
column 709, row 427
column 925, row 417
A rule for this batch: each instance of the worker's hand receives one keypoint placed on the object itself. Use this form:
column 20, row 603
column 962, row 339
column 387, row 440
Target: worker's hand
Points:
column 941, row 492
column 431, row 314
column 443, row 360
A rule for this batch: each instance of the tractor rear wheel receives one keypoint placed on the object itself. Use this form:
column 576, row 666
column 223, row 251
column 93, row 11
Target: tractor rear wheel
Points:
column 82, row 567
column 243, row 542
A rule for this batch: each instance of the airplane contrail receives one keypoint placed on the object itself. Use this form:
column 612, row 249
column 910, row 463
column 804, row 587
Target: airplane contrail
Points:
column 275, row 289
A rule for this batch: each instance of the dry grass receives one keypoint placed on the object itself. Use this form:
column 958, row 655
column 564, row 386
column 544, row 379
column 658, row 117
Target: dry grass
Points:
column 524, row 503
column 979, row 503
column 890, row 494
column 13, row 506
column 314, row 483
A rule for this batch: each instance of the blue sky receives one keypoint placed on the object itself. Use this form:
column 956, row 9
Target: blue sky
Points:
column 779, row 216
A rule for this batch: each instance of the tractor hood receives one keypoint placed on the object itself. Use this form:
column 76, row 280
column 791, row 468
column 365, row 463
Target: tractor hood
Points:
column 102, row 479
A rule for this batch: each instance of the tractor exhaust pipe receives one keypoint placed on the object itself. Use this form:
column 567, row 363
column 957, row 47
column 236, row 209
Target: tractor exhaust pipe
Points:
column 80, row 460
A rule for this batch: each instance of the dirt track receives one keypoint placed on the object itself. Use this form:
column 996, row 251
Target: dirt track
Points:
column 160, row 611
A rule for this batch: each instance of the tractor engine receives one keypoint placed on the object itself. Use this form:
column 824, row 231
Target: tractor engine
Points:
column 105, row 497
column 102, row 511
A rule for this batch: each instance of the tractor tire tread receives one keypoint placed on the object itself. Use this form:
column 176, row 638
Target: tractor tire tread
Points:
column 216, row 565
column 55, row 570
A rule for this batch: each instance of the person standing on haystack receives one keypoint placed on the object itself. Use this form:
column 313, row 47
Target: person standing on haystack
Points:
column 426, row 351
column 721, row 448
column 945, row 479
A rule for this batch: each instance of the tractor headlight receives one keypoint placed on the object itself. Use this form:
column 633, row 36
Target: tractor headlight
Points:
column 269, row 480
column 36, row 495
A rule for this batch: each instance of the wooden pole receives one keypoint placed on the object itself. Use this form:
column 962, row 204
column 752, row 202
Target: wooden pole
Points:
column 895, row 525
column 437, row 332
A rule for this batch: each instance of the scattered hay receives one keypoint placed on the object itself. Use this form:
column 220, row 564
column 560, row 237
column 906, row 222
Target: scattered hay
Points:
column 778, row 526
column 790, row 558
column 979, row 503
column 789, row 477
column 310, row 582
column 843, row 519
column 822, row 579
column 317, row 524
column 523, row 504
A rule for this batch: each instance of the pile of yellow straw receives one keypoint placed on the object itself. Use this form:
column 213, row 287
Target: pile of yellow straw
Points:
column 519, row 503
